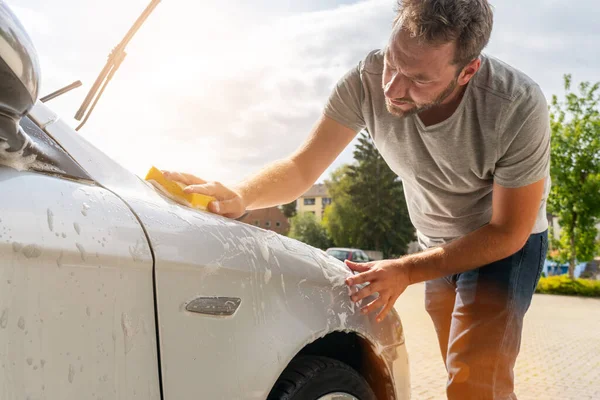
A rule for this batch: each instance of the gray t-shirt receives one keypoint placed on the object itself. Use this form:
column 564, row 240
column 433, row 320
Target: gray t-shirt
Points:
column 499, row 133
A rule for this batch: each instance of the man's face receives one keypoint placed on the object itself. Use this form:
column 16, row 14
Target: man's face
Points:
column 417, row 76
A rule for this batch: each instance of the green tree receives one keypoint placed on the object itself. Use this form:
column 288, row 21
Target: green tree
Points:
column 369, row 208
column 575, row 172
column 306, row 228
column 289, row 209
column 341, row 218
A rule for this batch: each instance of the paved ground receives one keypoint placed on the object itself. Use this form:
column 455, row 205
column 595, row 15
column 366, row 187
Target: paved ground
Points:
column 560, row 352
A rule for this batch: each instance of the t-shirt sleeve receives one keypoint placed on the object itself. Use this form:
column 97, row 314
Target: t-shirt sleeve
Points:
column 524, row 142
column 344, row 104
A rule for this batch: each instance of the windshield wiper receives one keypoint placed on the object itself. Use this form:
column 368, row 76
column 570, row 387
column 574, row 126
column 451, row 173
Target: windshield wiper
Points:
column 115, row 59
column 60, row 92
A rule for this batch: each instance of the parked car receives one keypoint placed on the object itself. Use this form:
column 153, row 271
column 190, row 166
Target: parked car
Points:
column 343, row 253
column 110, row 290
column 553, row 268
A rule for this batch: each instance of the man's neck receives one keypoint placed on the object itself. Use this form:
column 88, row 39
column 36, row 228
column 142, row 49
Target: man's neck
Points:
column 443, row 111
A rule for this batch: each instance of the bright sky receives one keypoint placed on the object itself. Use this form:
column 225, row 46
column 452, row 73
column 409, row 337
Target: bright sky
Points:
column 220, row 89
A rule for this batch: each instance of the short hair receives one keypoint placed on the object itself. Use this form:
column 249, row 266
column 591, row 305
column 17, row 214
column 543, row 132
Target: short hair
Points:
column 467, row 22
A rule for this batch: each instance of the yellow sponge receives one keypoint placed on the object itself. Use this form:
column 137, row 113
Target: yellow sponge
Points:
column 174, row 190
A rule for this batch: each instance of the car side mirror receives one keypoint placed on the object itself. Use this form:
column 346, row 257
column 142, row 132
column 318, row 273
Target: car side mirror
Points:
column 19, row 79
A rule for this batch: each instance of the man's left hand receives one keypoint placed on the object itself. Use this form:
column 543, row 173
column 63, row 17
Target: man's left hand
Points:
column 388, row 278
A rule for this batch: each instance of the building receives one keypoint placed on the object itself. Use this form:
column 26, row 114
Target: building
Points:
column 314, row 201
column 268, row 218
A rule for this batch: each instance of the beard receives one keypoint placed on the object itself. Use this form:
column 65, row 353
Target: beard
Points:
column 420, row 107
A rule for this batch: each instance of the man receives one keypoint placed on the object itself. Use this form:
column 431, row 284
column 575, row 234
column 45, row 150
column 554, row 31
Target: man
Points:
column 469, row 136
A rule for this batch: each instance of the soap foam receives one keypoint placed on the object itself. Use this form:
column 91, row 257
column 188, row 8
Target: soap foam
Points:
column 17, row 159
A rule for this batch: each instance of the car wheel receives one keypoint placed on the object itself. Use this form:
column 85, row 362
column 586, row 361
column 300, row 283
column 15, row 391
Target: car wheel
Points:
column 320, row 378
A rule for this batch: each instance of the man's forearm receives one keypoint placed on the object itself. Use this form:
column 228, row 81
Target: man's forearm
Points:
column 278, row 183
column 481, row 247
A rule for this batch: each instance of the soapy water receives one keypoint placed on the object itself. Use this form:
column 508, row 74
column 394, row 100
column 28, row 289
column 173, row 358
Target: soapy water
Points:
column 261, row 249
column 19, row 161
column 16, row 159
column 267, row 275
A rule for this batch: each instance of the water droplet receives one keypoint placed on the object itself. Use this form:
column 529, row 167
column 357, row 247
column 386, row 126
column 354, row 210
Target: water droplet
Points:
column 4, row 319
column 81, row 250
column 32, row 251
column 59, row 260
column 71, row 373
column 50, row 220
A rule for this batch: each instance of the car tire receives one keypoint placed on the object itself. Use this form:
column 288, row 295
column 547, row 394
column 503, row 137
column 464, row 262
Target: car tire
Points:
column 313, row 377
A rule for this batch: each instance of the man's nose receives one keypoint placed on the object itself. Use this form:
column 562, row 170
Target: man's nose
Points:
column 397, row 87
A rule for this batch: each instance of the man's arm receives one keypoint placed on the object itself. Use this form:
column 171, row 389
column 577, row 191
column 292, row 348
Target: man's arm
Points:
column 286, row 180
column 280, row 182
column 514, row 211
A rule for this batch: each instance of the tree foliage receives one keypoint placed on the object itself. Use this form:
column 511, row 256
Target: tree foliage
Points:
column 306, row 228
column 369, row 208
column 575, row 172
column 289, row 209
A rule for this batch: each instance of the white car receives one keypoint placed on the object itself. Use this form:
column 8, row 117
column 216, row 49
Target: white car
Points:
column 109, row 290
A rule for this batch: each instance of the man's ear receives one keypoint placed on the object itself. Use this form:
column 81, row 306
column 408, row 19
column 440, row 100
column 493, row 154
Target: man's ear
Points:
column 469, row 71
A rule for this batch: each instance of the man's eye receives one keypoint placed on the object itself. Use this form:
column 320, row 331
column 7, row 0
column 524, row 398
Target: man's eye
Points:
column 421, row 83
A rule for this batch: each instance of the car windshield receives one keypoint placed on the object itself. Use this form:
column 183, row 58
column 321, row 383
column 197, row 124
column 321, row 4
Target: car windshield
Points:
column 339, row 254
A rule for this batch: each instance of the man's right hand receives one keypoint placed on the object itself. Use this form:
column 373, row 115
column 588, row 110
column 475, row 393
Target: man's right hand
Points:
column 229, row 203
